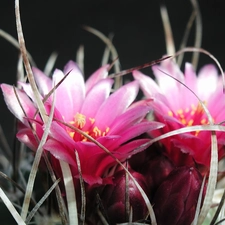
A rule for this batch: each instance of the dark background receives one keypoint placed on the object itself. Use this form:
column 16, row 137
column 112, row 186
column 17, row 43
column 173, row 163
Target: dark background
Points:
column 53, row 25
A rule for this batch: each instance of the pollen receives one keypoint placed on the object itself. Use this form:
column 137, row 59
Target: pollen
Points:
column 189, row 116
column 193, row 107
column 203, row 121
column 180, row 112
column 79, row 120
column 183, row 121
column 97, row 132
column 170, row 113
column 190, row 122
column 106, row 131
column 92, row 120
column 90, row 129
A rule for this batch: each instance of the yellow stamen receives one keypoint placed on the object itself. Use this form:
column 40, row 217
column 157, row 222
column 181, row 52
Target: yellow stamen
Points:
column 85, row 138
column 97, row 132
column 71, row 134
column 193, row 112
column 170, row 113
column 203, row 121
column 107, row 129
column 193, row 107
column 190, row 122
column 105, row 132
column 180, row 112
column 92, row 120
column 80, row 120
column 187, row 110
column 199, row 108
column 183, row 121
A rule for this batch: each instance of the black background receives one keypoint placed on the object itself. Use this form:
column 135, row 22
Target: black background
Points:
column 53, row 25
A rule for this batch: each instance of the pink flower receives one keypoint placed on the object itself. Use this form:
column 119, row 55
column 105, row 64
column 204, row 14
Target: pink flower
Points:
column 111, row 120
column 176, row 107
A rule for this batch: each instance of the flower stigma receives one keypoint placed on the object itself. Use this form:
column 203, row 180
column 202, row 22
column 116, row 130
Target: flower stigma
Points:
column 79, row 120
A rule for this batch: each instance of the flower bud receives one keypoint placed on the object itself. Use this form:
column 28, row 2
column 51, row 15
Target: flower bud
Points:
column 114, row 198
column 176, row 199
column 156, row 170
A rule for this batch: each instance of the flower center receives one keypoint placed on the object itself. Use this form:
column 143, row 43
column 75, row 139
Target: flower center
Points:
column 87, row 126
column 194, row 115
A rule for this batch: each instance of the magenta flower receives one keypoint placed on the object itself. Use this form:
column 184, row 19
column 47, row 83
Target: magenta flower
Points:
column 111, row 120
column 177, row 107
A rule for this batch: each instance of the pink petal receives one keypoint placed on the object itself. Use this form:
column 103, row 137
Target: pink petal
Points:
column 122, row 153
column 190, row 77
column 70, row 93
column 127, row 119
column 92, row 180
column 148, row 85
column 60, row 134
column 116, row 104
column 91, row 155
column 167, row 67
column 162, row 107
column 28, row 90
column 168, row 85
column 216, row 106
column 13, row 104
column 26, row 136
column 138, row 129
column 59, row 151
column 150, row 88
column 165, row 82
column 109, row 142
column 131, row 148
column 96, row 97
column 101, row 73
column 72, row 66
column 44, row 83
column 207, row 82
column 188, row 98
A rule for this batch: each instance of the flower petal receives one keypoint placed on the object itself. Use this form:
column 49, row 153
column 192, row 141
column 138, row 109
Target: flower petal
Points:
column 13, row 104
column 58, row 133
column 138, row 129
column 96, row 97
column 165, row 82
column 59, row 151
column 207, row 81
column 168, row 74
column 127, row 119
column 26, row 136
column 44, row 83
column 101, row 73
column 148, row 85
column 27, row 88
column 70, row 93
column 116, row 104
column 190, row 77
